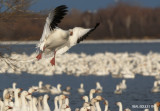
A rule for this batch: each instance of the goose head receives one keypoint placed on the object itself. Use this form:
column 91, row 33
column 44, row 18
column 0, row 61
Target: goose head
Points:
column 155, row 83
column 105, row 102
column 25, row 93
column 93, row 101
column 70, row 32
column 123, row 81
column 14, row 85
column 40, row 84
column 158, row 104
column 56, row 98
column 68, row 88
column 31, row 90
column 127, row 109
column 48, row 86
column 5, row 93
column 59, row 85
column 146, row 109
column 84, row 97
column 118, row 103
column 99, row 98
column 62, row 97
column 98, row 84
column 46, row 97
column 92, row 91
column 81, row 85
column 117, row 87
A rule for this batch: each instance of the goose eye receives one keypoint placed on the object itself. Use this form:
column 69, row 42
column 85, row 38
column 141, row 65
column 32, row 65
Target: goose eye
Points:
column 71, row 33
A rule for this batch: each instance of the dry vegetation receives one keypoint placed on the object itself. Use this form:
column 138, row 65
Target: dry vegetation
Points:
column 121, row 21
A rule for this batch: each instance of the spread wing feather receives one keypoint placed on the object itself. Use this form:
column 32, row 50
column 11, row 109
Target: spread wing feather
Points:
column 52, row 21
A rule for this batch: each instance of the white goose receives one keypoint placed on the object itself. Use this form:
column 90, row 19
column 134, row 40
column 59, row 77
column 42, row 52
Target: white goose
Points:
column 56, row 108
column 62, row 105
column 85, row 98
column 81, row 89
column 92, row 91
column 6, row 97
column 66, row 91
column 118, row 90
column 45, row 103
column 155, row 88
column 24, row 105
column 123, row 84
column 99, row 88
column 55, row 40
column 98, row 98
column 13, row 87
column 17, row 101
column 66, row 106
column 56, row 90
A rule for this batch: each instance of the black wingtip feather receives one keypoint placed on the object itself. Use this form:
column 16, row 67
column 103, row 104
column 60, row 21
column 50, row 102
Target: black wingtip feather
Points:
column 59, row 13
column 97, row 24
column 85, row 36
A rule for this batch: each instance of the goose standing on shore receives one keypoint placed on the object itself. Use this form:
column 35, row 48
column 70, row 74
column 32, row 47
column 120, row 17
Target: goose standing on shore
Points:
column 55, row 40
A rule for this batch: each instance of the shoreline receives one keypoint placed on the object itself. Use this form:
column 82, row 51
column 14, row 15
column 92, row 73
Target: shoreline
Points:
column 88, row 41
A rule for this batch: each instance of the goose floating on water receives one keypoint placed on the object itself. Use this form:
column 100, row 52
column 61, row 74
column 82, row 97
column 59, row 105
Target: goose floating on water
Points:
column 56, row 41
column 155, row 88
column 81, row 90
column 123, row 84
column 99, row 88
column 118, row 90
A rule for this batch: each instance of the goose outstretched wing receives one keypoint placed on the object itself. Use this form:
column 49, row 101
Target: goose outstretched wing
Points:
column 52, row 21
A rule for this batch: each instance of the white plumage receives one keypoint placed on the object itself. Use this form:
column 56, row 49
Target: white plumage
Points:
column 57, row 41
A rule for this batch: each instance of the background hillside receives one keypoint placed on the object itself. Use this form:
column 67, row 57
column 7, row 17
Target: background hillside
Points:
column 120, row 21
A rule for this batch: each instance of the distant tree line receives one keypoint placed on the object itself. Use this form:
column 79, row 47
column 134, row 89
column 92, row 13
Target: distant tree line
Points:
column 121, row 21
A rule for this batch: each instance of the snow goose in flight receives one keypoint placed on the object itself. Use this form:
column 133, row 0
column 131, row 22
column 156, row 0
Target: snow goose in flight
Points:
column 56, row 41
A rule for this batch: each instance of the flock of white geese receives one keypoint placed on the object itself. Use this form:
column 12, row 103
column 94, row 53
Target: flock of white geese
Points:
column 124, row 65
column 17, row 99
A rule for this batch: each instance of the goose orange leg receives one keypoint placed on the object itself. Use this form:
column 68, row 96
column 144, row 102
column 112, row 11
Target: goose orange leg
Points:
column 53, row 59
column 39, row 56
